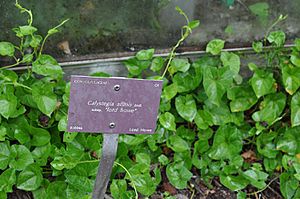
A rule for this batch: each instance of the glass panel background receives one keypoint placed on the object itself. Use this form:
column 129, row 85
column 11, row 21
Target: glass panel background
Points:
column 98, row 27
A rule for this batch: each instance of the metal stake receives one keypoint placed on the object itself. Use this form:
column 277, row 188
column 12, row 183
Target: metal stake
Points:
column 109, row 151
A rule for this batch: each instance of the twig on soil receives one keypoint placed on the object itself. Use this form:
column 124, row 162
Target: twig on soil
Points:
column 217, row 183
column 267, row 186
column 275, row 192
column 197, row 187
column 191, row 187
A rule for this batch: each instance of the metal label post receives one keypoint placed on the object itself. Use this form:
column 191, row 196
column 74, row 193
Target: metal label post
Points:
column 109, row 151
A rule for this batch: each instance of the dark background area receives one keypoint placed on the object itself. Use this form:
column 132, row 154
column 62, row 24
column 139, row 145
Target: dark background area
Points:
column 106, row 28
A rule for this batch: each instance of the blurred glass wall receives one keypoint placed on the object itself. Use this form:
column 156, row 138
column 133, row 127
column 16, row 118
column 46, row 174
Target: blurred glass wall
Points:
column 98, row 27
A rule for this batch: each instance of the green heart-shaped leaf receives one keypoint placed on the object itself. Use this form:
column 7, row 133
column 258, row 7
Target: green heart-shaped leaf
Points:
column 7, row 49
column 295, row 109
column 167, row 120
column 290, row 78
column 30, row 178
column 186, row 107
column 262, row 83
column 46, row 65
column 21, row 157
column 215, row 46
column 234, row 183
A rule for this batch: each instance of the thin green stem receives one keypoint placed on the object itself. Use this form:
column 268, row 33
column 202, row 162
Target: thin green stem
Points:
column 51, row 32
column 280, row 19
column 30, row 20
column 18, row 84
column 131, row 178
column 182, row 13
column 43, row 44
column 172, row 53
column 9, row 66
column 15, row 58
column 88, row 161
column 22, row 85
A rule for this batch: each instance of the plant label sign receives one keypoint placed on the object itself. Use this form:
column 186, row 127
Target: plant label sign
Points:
column 113, row 105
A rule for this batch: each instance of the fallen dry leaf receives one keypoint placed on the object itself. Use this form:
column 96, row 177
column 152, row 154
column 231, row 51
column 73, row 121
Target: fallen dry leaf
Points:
column 169, row 188
column 64, row 46
column 249, row 156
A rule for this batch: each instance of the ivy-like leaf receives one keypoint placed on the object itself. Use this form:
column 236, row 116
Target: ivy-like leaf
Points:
column 35, row 41
column 8, row 105
column 288, row 185
column 167, row 120
column 187, row 81
column 257, row 46
column 295, row 109
column 21, row 157
column 79, row 179
column 46, row 65
column 203, row 119
column 242, row 98
column 56, row 190
column 21, row 135
column 8, row 76
column 290, row 78
column 145, row 54
column 143, row 158
column 277, row 37
column 118, row 189
column 44, row 97
column 61, row 162
column 289, row 142
column 271, row 108
column 7, row 180
column 220, row 115
column 4, row 155
column 232, row 61
column 135, row 66
column 257, row 178
column 7, row 49
column 227, row 143
column 185, row 133
column 194, row 24
column 30, row 178
column 263, row 83
column 297, row 44
column 178, row 64
column 215, row 46
column 157, row 64
column 234, row 183
column 186, row 107
column 177, row 144
column 164, row 160
column 266, row 145
column 295, row 59
column 216, row 82
column 3, row 133
column 178, row 175
column 27, row 30
column 169, row 92
column 142, row 179
column 40, row 136
column 40, row 154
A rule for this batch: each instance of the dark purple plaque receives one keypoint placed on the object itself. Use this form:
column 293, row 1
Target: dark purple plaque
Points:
column 113, row 105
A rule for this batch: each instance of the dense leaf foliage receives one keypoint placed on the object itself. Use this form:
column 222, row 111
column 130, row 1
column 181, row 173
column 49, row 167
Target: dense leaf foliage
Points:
column 209, row 120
